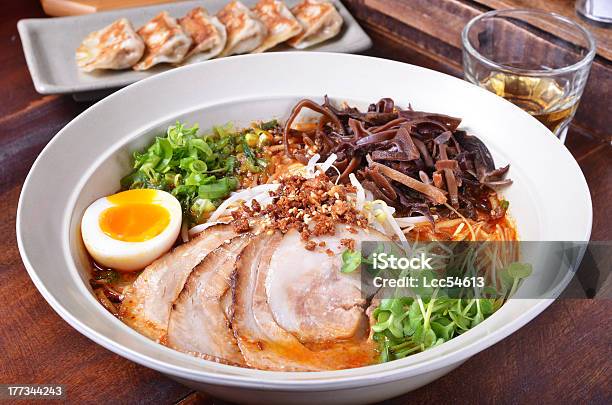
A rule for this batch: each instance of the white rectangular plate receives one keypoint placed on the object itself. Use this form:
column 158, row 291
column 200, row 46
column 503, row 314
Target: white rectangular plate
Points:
column 49, row 45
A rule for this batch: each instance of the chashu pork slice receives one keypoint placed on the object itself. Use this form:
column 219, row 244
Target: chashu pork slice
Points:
column 261, row 333
column 199, row 324
column 227, row 305
column 262, row 342
column 147, row 303
column 315, row 301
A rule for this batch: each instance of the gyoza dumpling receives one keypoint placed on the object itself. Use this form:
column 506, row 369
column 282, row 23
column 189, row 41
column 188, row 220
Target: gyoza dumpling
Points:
column 116, row 46
column 208, row 35
column 279, row 21
column 245, row 31
column 165, row 42
column 320, row 21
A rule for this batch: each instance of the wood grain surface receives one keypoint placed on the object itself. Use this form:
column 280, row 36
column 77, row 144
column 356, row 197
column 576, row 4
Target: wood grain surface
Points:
column 566, row 8
column 76, row 7
column 563, row 356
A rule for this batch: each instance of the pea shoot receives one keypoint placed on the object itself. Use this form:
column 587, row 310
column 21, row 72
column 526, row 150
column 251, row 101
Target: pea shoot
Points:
column 408, row 325
column 351, row 260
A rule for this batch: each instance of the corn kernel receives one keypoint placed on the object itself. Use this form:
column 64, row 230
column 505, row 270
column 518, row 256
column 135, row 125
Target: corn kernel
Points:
column 251, row 139
column 380, row 215
column 265, row 139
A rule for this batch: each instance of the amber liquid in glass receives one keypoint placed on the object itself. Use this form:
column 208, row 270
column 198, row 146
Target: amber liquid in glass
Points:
column 541, row 97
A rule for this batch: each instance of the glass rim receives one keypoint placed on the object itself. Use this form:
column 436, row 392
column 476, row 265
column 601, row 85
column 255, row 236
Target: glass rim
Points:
column 587, row 59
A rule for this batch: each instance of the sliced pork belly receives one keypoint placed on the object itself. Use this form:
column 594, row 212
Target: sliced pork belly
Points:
column 314, row 300
column 147, row 303
column 262, row 342
column 264, row 333
column 226, row 304
column 198, row 321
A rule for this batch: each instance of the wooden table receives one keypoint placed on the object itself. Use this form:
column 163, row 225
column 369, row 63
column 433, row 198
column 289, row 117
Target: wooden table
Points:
column 563, row 355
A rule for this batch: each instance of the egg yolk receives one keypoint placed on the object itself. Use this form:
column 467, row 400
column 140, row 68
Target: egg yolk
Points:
column 134, row 217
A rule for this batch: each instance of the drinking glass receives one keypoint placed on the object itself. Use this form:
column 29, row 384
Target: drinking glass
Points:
column 537, row 60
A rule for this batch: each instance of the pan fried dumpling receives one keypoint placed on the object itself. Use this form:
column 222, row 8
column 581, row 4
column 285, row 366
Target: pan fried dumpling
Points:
column 207, row 34
column 320, row 21
column 279, row 21
column 245, row 31
column 116, row 46
column 165, row 42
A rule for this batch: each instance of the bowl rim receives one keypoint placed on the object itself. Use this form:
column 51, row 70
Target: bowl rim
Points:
column 386, row 372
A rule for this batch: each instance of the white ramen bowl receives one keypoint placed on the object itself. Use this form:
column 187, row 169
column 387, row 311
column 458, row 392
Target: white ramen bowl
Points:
column 549, row 199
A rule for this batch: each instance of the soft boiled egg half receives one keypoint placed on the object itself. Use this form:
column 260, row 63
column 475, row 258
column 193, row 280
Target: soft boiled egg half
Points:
column 129, row 230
